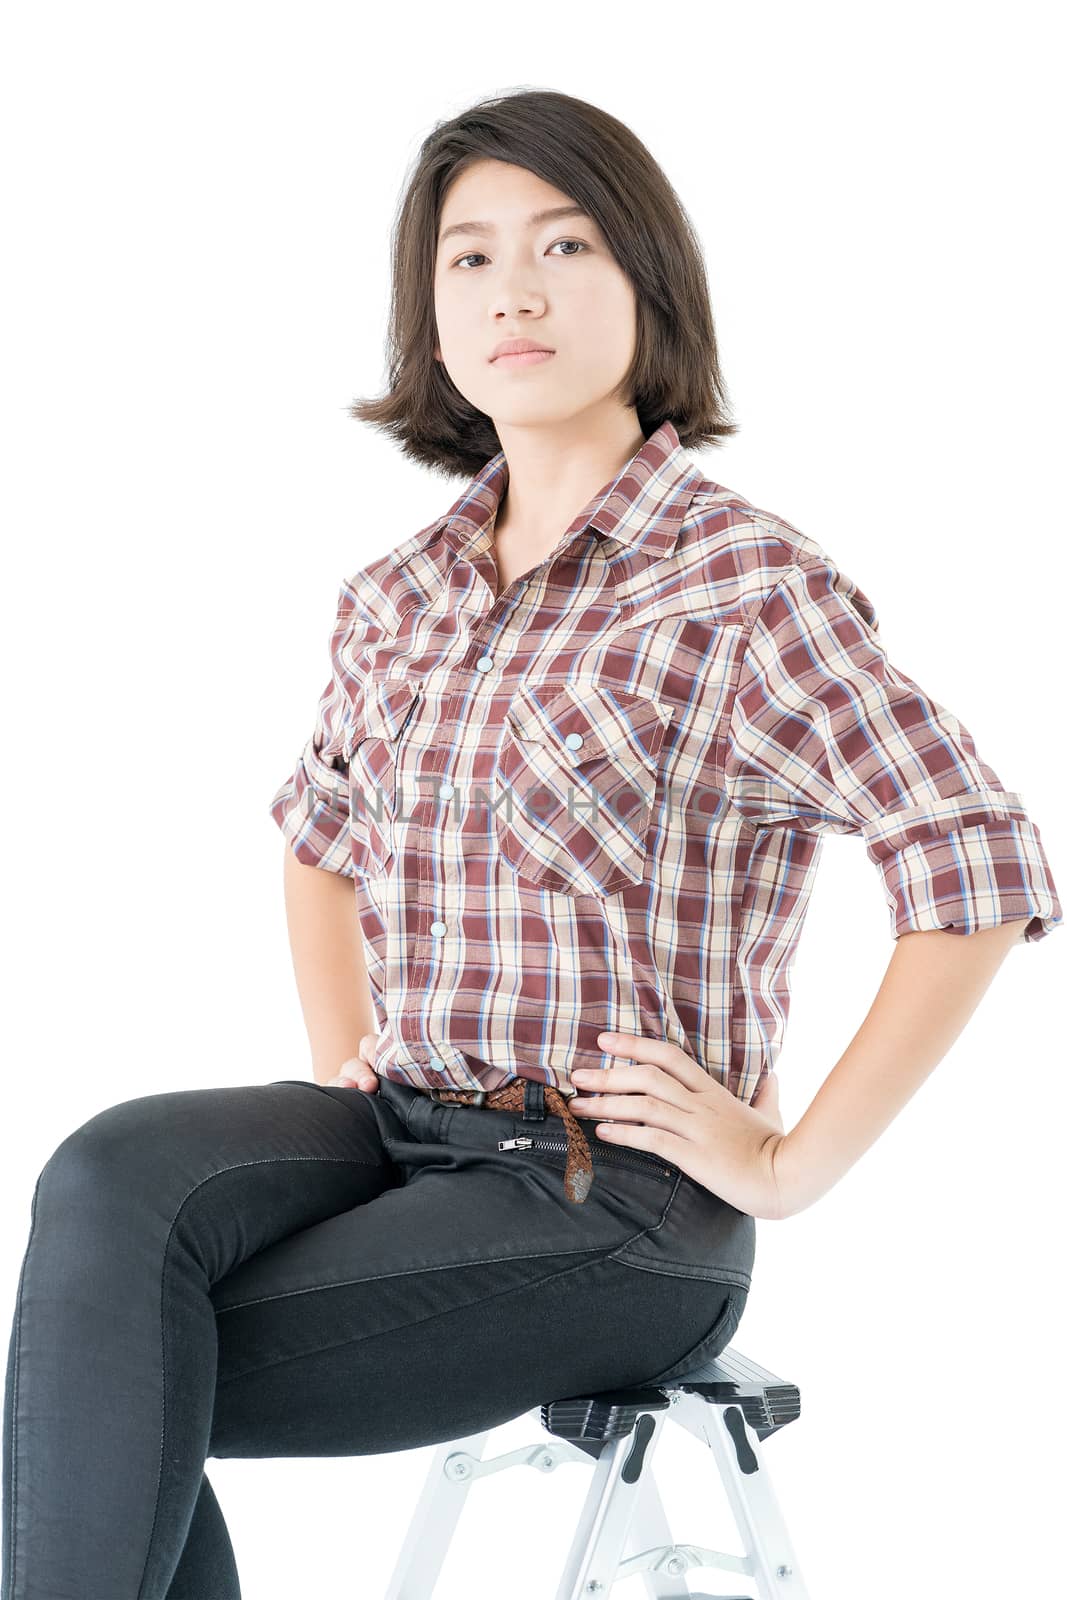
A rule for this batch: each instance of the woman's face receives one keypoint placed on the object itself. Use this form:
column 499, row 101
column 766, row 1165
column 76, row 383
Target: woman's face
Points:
column 510, row 275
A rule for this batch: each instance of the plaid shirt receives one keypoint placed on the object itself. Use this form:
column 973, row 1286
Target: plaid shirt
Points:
column 596, row 801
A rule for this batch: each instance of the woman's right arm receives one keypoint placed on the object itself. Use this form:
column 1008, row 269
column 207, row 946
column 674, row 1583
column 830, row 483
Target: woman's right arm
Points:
column 331, row 974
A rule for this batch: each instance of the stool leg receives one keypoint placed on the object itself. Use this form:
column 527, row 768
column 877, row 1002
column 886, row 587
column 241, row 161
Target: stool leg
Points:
column 592, row 1562
column 650, row 1530
column 433, row 1522
column 739, row 1458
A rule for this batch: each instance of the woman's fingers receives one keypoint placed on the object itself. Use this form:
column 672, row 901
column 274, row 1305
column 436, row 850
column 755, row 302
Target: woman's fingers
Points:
column 368, row 1078
column 358, row 1071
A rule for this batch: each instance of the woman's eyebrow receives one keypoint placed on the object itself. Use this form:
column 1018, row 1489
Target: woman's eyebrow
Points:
column 533, row 220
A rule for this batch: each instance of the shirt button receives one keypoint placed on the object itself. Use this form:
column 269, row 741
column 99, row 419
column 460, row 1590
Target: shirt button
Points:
column 437, row 929
column 446, row 791
column 437, row 1064
column 484, row 663
column 574, row 741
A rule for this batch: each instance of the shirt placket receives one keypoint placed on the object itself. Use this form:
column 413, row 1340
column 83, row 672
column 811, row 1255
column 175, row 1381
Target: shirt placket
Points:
column 490, row 628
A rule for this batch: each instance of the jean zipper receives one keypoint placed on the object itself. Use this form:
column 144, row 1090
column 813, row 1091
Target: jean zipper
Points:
column 627, row 1157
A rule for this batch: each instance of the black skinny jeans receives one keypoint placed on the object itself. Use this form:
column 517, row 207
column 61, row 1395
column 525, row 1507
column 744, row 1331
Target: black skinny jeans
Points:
column 290, row 1269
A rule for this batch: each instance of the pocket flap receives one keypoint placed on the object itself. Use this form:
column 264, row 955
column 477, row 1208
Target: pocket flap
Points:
column 388, row 704
column 586, row 720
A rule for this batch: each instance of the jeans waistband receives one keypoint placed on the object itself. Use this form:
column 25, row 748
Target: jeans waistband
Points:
column 426, row 1117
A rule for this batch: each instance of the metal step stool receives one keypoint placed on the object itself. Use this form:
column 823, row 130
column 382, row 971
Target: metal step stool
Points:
column 730, row 1404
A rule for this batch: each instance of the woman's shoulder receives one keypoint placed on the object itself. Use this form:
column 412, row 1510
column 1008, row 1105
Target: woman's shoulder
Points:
column 743, row 552
column 379, row 592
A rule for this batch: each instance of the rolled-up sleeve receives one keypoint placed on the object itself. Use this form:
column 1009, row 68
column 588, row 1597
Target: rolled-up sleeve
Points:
column 827, row 736
column 312, row 806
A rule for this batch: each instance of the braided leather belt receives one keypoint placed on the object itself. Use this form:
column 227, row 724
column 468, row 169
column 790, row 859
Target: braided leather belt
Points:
column 578, row 1173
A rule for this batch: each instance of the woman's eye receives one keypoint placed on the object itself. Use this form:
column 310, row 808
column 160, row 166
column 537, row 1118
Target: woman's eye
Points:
column 476, row 255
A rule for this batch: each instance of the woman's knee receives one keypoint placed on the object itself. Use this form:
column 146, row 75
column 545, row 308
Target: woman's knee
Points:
column 124, row 1146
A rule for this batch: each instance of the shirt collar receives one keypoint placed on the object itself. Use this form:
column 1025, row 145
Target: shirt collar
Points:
column 643, row 506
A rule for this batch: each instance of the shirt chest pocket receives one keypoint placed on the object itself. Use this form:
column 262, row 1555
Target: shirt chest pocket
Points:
column 369, row 744
column 575, row 783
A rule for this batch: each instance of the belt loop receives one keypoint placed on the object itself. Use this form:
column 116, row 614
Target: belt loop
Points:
column 533, row 1101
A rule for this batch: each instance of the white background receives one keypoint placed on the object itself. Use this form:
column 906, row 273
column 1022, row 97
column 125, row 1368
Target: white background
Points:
column 195, row 282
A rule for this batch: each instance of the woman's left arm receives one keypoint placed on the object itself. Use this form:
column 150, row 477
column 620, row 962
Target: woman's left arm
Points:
column 668, row 1104
column 827, row 735
column 932, row 986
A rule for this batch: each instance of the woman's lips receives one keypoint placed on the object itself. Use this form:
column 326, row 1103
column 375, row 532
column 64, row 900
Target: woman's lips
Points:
column 523, row 358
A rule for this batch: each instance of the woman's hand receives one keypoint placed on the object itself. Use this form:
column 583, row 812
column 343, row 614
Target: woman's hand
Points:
column 668, row 1105
column 358, row 1071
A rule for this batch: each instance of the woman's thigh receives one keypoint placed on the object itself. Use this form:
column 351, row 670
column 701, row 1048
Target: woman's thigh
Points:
column 111, row 1366
column 466, row 1293
column 470, row 1350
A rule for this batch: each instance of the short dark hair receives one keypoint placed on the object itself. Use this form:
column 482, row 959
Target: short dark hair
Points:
column 599, row 163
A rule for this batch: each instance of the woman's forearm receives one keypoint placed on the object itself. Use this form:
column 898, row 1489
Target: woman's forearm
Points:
column 931, row 987
column 328, row 962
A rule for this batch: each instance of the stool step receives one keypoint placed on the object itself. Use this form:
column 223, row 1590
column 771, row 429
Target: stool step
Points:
column 731, row 1379
column 610, row 1415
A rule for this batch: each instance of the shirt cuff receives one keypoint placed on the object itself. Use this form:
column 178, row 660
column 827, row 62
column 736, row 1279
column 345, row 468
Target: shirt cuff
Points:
column 965, row 863
column 315, row 818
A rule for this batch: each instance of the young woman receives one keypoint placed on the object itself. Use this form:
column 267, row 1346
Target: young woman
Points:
column 554, row 830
